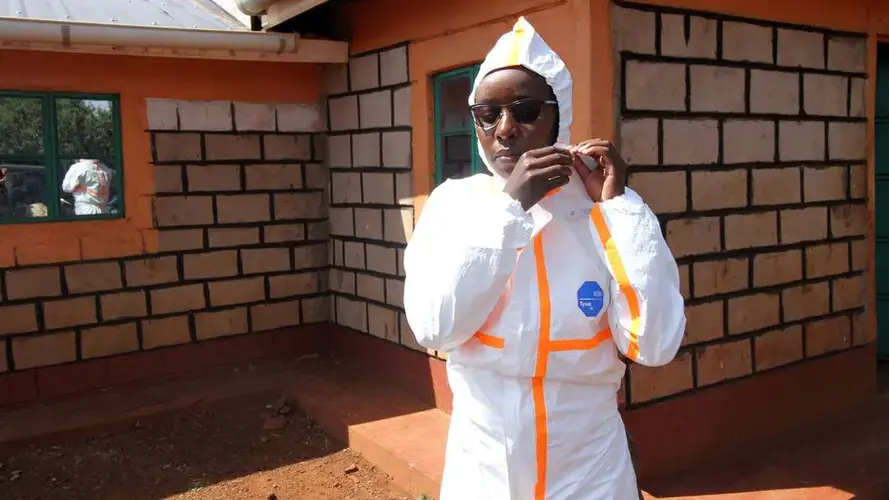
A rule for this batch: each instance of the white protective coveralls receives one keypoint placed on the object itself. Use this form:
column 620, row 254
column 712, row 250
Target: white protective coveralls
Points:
column 531, row 306
column 90, row 182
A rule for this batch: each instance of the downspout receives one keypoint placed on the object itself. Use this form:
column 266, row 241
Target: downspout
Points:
column 254, row 7
column 276, row 12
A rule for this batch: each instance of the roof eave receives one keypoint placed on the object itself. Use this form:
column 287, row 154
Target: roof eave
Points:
column 58, row 36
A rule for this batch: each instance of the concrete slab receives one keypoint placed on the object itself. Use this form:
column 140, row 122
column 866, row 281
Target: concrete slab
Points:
column 406, row 438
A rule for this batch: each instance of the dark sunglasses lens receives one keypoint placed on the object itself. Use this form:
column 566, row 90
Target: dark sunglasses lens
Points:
column 526, row 112
column 486, row 116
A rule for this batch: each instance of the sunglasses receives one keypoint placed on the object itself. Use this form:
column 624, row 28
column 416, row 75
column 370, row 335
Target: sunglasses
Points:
column 523, row 111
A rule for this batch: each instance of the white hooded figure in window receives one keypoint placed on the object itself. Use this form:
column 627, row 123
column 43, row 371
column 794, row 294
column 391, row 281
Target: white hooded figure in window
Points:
column 90, row 183
column 536, row 281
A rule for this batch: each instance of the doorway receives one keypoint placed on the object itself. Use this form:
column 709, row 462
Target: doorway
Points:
column 881, row 199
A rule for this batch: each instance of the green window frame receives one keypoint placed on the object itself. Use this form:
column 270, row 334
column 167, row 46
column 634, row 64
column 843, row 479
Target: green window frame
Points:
column 53, row 150
column 443, row 132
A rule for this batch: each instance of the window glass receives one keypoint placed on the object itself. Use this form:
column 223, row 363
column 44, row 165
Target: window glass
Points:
column 454, row 98
column 59, row 157
column 85, row 128
column 22, row 190
column 455, row 144
column 22, row 170
column 457, row 161
column 21, row 126
column 91, row 185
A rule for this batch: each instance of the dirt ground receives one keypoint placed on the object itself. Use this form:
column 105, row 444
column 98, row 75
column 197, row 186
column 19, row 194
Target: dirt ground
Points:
column 251, row 449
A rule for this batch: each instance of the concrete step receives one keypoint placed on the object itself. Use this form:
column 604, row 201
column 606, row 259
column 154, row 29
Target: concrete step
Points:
column 402, row 436
column 407, row 440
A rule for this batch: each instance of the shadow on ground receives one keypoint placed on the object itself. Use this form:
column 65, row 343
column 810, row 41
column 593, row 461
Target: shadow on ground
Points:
column 217, row 436
column 240, row 449
column 849, row 459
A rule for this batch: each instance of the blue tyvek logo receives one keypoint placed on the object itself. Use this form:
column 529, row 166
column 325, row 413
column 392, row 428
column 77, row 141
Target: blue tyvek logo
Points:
column 590, row 299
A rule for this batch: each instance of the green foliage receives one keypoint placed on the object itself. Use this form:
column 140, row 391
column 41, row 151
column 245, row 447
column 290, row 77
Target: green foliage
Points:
column 84, row 129
column 21, row 126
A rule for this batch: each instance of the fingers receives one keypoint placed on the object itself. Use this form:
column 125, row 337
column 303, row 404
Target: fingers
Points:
column 590, row 142
column 558, row 158
column 560, row 181
column 557, row 181
column 540, row 153
column 555, row 175
column 554, row 171
column 595, row 151
column 603, row 151
column 580, row 167
column 592, row 147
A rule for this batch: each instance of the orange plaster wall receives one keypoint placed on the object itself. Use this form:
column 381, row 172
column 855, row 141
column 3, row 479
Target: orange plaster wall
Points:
column 135, row 79
column 447, row 35
column 381, row 23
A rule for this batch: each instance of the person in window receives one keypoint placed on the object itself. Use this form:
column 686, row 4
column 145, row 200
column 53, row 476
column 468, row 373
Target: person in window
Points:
column 4, row 193
column 535, row 281
column 90, row 183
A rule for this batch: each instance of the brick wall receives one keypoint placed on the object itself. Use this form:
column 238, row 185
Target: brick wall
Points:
column 371, row 204
column 749, row 141
column 241, row 215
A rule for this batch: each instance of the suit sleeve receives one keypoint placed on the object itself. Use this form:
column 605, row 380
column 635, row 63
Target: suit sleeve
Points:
column 72, row 178
column 458, row 262
column 647, row 311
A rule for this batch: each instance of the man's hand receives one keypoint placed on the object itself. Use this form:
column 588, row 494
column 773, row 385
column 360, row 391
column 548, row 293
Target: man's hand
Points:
column 609, row 180
column 537, row 172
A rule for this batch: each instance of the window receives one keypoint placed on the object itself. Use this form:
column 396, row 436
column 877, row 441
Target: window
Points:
column 456, row 150
column 60, row 157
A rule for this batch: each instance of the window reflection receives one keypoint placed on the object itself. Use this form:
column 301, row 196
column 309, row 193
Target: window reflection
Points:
column 88, row 188
column 457, row 157
column 86, row 142
column 85, row 128
column 454, row 107
column 22, row 173
column 22, row 188
column 21, row 126
column 70, row 175
column 455, row 141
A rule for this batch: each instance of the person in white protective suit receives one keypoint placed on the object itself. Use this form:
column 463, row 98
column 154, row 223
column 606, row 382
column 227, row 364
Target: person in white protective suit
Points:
column 90, row 183
column 535, row 281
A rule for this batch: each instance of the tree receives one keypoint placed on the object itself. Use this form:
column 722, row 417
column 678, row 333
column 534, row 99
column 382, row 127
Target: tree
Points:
column 21, row 126
column 84, row 128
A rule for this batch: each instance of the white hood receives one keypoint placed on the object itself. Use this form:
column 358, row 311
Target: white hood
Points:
column 524, row 47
